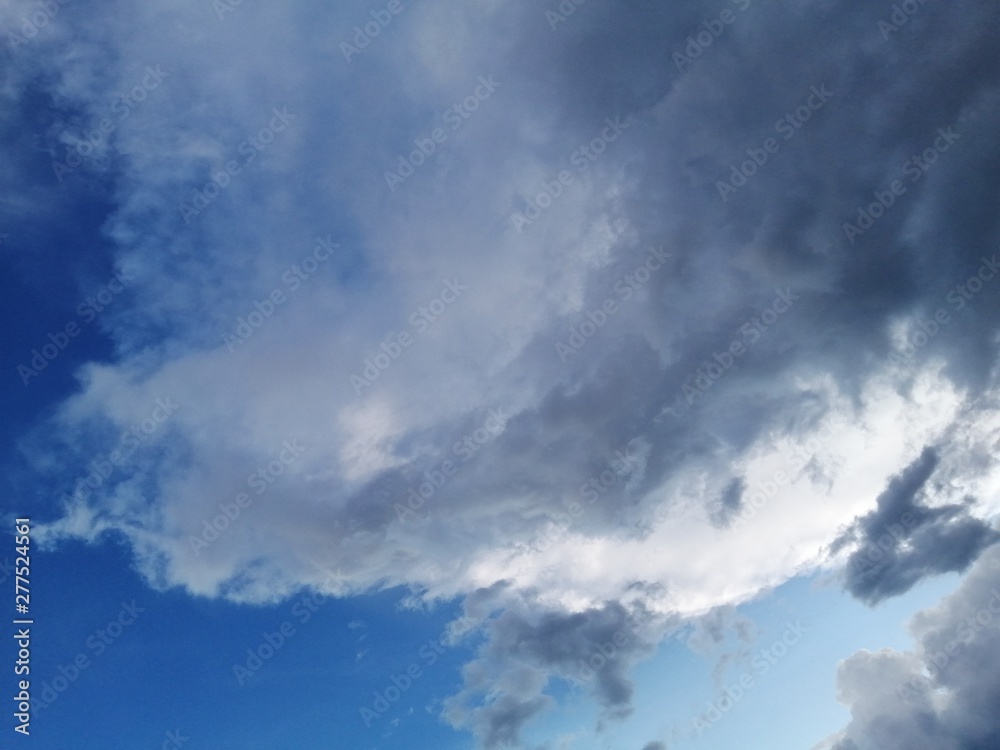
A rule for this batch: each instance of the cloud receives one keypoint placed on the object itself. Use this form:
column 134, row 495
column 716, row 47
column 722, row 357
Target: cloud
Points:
column 725, row 636
column 943, row 693
column 730, row 502
column 904, row 540
column 767, row 368
column 526, row 647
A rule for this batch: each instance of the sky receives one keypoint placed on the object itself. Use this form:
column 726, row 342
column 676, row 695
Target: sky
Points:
column 577, row 375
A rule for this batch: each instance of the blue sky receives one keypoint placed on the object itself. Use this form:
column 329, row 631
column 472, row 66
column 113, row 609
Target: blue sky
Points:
column 485, row 375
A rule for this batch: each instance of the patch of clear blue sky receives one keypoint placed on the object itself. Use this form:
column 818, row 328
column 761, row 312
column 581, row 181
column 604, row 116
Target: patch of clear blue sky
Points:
column 172, row 667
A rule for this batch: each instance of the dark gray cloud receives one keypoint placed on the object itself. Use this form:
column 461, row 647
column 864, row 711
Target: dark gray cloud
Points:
column 730, row 502
column 526, row 646
column 904, row 539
